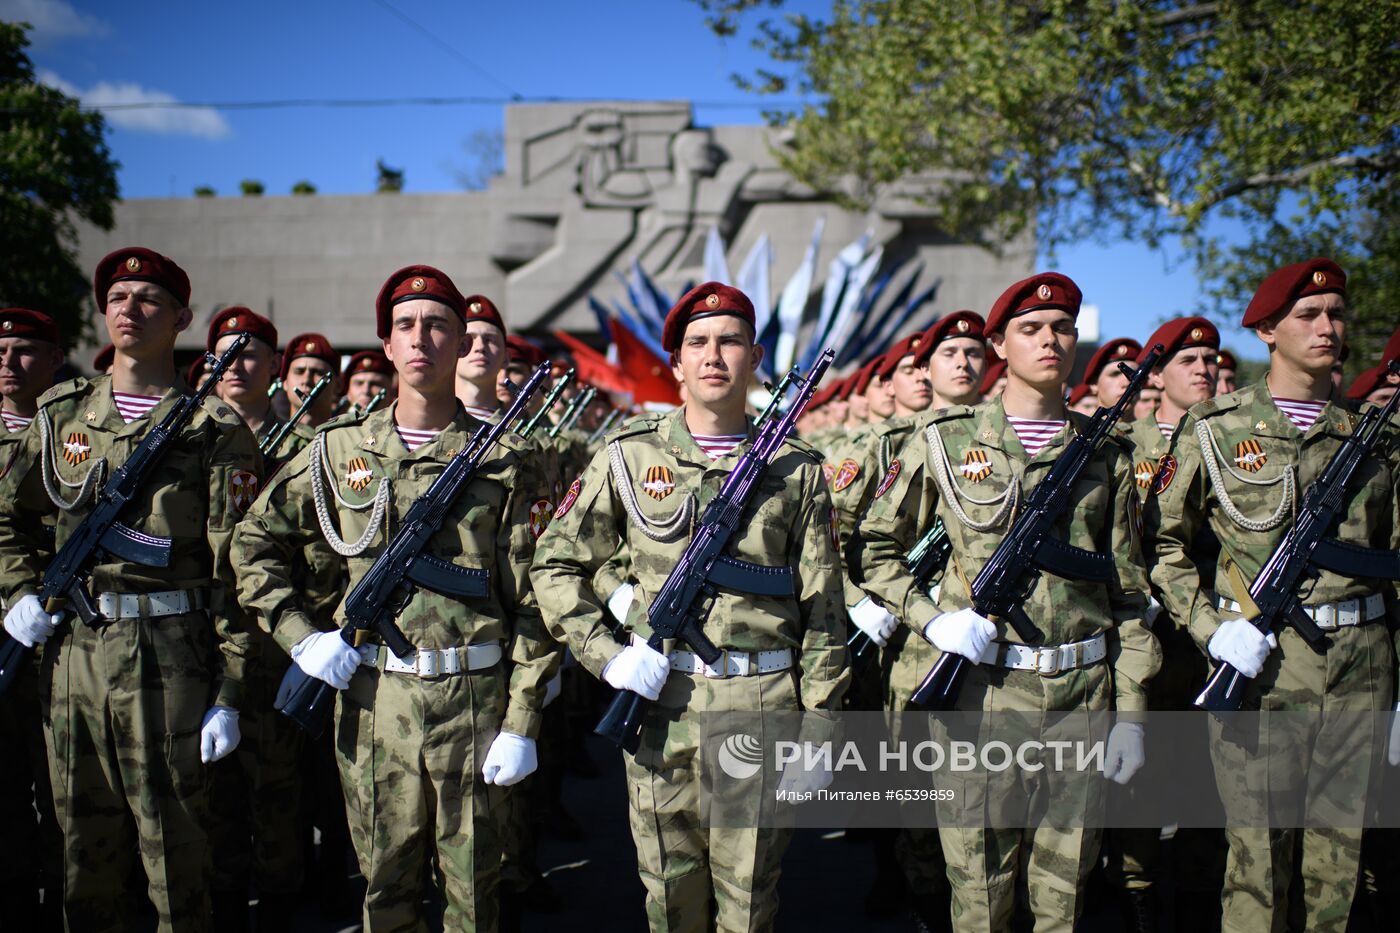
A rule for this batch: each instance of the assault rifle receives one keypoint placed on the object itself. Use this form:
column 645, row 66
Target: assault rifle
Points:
column 374, row 403
column 268, row 448
column 680, row 607
column 1008, row 577
column 575, row 411
column 402, row 567
column 777, row 399
column 1273, row 596
column 526, row 428
column 65, row 579
column 603, row 428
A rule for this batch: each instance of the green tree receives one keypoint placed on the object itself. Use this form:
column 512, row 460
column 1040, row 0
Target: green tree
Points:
column 251, row 188
column 303, row 187
column 205, row 191
column 1160, row 121
column 389, row 180
column 54, row 167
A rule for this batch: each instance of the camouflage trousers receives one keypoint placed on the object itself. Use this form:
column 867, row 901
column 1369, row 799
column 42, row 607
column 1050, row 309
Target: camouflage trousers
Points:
column 1046, row 864
column 905, row 661
column 123, row 705
column 685, row 866
column 1355, row 674
column 32, row 856
column 255, row 794
column 410, row 753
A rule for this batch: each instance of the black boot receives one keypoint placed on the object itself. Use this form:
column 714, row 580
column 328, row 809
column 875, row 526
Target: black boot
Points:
column 1139, row 910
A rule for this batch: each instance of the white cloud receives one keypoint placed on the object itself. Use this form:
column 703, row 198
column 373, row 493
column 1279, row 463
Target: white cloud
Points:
column 204, row 122
column 51, row 19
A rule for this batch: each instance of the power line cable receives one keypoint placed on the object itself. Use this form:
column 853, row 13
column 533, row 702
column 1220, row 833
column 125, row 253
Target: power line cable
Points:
column 437, row 40
column 451, row 101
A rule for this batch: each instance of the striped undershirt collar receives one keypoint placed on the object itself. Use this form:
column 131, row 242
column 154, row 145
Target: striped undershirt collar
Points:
column 1167, row 428
column 413, row 439
column 716, row 446
column 132, row 406
column 1033, row 433
column 481, row 414
column 1302, row 412
column 14, row 422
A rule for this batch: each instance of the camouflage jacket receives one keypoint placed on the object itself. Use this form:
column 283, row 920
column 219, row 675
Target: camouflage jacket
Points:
column 648, row 488
column 492, row 526
column 1237, row 458
column 194, row 496
column 1149, row 447
column 983, row 459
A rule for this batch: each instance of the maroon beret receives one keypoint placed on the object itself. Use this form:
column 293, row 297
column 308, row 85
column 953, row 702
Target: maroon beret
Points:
column 1042, row 290
column 22, row 322
column 1392, row 349
column 1284, row 286
column 1182, row 333
column 905, row 346
column 844, row 388
column 481, row 308
column 1226, row 360
column 136, row 263
column 708, row 299
column 520, row 350
column 1367, row 382
column 104, row 358
column 995, row 370
column 195, row 374
column 412, row 282
column 309, row 345
column 957, row 324
column 240, row 320
column 368, row 361
column 1118, row 350
column 865, row 374
column 1076, row 395
column 822, row 396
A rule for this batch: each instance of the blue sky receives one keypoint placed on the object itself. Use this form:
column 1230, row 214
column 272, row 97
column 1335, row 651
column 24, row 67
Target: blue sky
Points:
column 360, row 49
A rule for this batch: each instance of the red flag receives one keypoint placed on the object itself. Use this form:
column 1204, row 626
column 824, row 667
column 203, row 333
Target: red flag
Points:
column 593, row 367
column 651, row 376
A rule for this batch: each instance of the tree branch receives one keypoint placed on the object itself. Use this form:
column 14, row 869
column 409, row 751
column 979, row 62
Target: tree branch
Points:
column 1382, row 163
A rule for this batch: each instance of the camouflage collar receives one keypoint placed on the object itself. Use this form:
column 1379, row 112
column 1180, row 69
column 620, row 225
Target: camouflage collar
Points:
column 380, row 436
column 682, row 446
column 1267, row 420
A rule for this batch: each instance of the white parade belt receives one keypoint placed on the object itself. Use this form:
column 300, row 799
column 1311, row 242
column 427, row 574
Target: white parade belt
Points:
column 1331, row 616
column 116, row 606
column 434, row 662
column 1046, row 661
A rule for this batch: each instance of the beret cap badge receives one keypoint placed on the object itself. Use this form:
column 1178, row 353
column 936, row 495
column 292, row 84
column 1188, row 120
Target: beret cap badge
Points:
column 1197, row 333
column 418, row 284
column 1043, row 292
column 712, row 302
column 475, row 308
column 1122, row 350
column 9, row 325
column 310, row 346
column 133, row 264
column 1320, row 278
column 962, row 325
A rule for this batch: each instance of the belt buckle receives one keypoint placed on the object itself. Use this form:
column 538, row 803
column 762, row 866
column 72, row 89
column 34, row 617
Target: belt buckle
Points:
column 1349, row 607
column 1047, row 662
column 429, row 663
column 719, row 671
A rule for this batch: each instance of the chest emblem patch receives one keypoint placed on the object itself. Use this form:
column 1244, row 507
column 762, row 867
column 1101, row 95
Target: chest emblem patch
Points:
column 76, row 448
column 835, row 531
column 890, row 475
column 358, row 474
column 845, row 474
column 828, row 472
column 539, row 517
column 242, row 489
column 1143, row 473
column 1166, row 472
column 659, row 482
column 1250, row 456
column 570, row 498
column 976, row 466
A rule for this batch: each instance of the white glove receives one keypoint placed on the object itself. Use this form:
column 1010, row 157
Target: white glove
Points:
column 1242, row 646
column 620, row 601
column 799, row 779
column 1393, row 755
column 1124, row 755
column 963, row 632
column 28, row 623
column 1154, row 609
column 510, row 759
column 874, row 620
column 326, row 656
column 640, row 669
column 219, row 734
column 553, row 688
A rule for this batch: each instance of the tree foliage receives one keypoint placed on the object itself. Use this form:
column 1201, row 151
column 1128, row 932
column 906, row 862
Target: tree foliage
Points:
column 1155, row 121
column 54, row 167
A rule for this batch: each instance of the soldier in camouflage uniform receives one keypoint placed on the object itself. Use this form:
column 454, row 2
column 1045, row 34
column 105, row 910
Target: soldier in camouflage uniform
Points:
column 1003, row 449
column 781, row 653
column 1239, row 464
column 424, row 744
column 135, row 703
column 29, row 357
column 1186, row 376
column 255, row 795
column 1102, row 375
column 305, row 360
column 368, row 373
